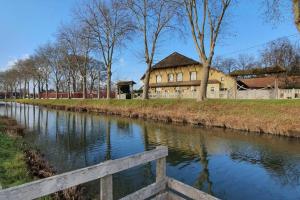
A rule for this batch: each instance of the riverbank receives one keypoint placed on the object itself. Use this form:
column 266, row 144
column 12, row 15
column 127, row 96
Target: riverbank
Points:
column 21, row 164
column 277, row 117
column 13, row 167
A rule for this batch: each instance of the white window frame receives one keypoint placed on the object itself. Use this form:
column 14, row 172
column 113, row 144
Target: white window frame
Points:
column 193, row 78
column 177, row 75
column 170, row 77
column 158, row 78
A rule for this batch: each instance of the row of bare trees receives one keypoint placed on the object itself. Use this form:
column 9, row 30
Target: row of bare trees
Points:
column 52, row 64
column 101, row 27
column 281, row 52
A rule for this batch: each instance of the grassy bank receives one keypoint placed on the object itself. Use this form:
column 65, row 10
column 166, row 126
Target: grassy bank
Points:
column 13, row 168
column 20, row 163
column 280, row 117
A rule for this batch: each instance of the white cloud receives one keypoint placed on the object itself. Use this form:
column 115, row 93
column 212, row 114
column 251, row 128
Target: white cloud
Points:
column 13, row 60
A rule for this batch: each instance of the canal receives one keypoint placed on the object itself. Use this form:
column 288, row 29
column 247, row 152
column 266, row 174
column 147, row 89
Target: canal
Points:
column 225, row 163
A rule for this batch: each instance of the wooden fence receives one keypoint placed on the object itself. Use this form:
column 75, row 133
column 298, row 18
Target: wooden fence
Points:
column 161, row 189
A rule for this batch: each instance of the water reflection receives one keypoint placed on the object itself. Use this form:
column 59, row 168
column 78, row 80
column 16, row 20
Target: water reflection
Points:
column 223, row 163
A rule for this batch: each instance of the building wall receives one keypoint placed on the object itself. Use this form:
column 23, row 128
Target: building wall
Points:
column 226, row 82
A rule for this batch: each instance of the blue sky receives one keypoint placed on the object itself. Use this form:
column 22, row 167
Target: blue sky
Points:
column 26, row 24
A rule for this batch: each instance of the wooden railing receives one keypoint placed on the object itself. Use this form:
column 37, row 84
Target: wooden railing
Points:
column 104, row 172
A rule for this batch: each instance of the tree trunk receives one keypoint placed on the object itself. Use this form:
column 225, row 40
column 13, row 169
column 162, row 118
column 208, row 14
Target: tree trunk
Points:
column 5, row 94
column 69, row 85
column 69, row 89
column 47, row 90
column 15, row 92
column 99, row 84
column 21, row 94
column 34, row 90
column 74, row 84
column 28, row 90
column 204, row 81
column 39, row 89
column 108, row 82
column 57, row 90
column 146, row 83
column 24, row 90
column 84, row 87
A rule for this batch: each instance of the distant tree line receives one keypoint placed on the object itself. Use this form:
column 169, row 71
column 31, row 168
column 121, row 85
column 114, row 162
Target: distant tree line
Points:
column 282, row 53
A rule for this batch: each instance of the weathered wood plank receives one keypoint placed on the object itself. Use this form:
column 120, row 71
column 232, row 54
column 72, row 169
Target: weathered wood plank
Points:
column 148, row 191
column 188, row 191
column 161, row 169
column 106, row 188
column 173, row 196
column 57, row 183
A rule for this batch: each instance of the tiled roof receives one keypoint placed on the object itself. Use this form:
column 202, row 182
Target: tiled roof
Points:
column 175, row 60
column 269, row 81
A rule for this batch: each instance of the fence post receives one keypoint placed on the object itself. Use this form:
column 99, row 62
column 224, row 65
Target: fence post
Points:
column 160, row 169
column 106, row 188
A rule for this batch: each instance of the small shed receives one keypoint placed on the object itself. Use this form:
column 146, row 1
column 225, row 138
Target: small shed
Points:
column 125, row 89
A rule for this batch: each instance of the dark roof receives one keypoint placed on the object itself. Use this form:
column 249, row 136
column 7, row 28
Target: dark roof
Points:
column 126, row 83
column 269, row 81
column 259, row 71
column 182, row 83
column 175, row 60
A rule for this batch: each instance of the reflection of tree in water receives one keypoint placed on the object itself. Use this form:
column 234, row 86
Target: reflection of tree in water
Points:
column 123, row 125
column 279, row 166
column 136, row 178
column 107, row 140
column 56, row 125
column 203, row 179
column 39, row 120
column 46, row 122
column 25, row 118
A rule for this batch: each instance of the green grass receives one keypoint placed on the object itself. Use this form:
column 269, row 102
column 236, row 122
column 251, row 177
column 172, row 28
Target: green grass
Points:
column 13, row 169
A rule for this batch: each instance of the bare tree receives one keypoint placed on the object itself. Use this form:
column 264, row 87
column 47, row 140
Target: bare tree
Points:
column 226, row 65
column 246, row 61
column 96, row 72
column 152, row 19
column 110, row 27
column 203, row 15
column 282, row 53
column 44, row 66
column 25, row 68
column 77, row 44
column 275, row 10
column 54, row 58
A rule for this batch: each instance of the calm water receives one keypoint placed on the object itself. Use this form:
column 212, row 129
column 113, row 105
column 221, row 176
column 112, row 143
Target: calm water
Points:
column 226, row 164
